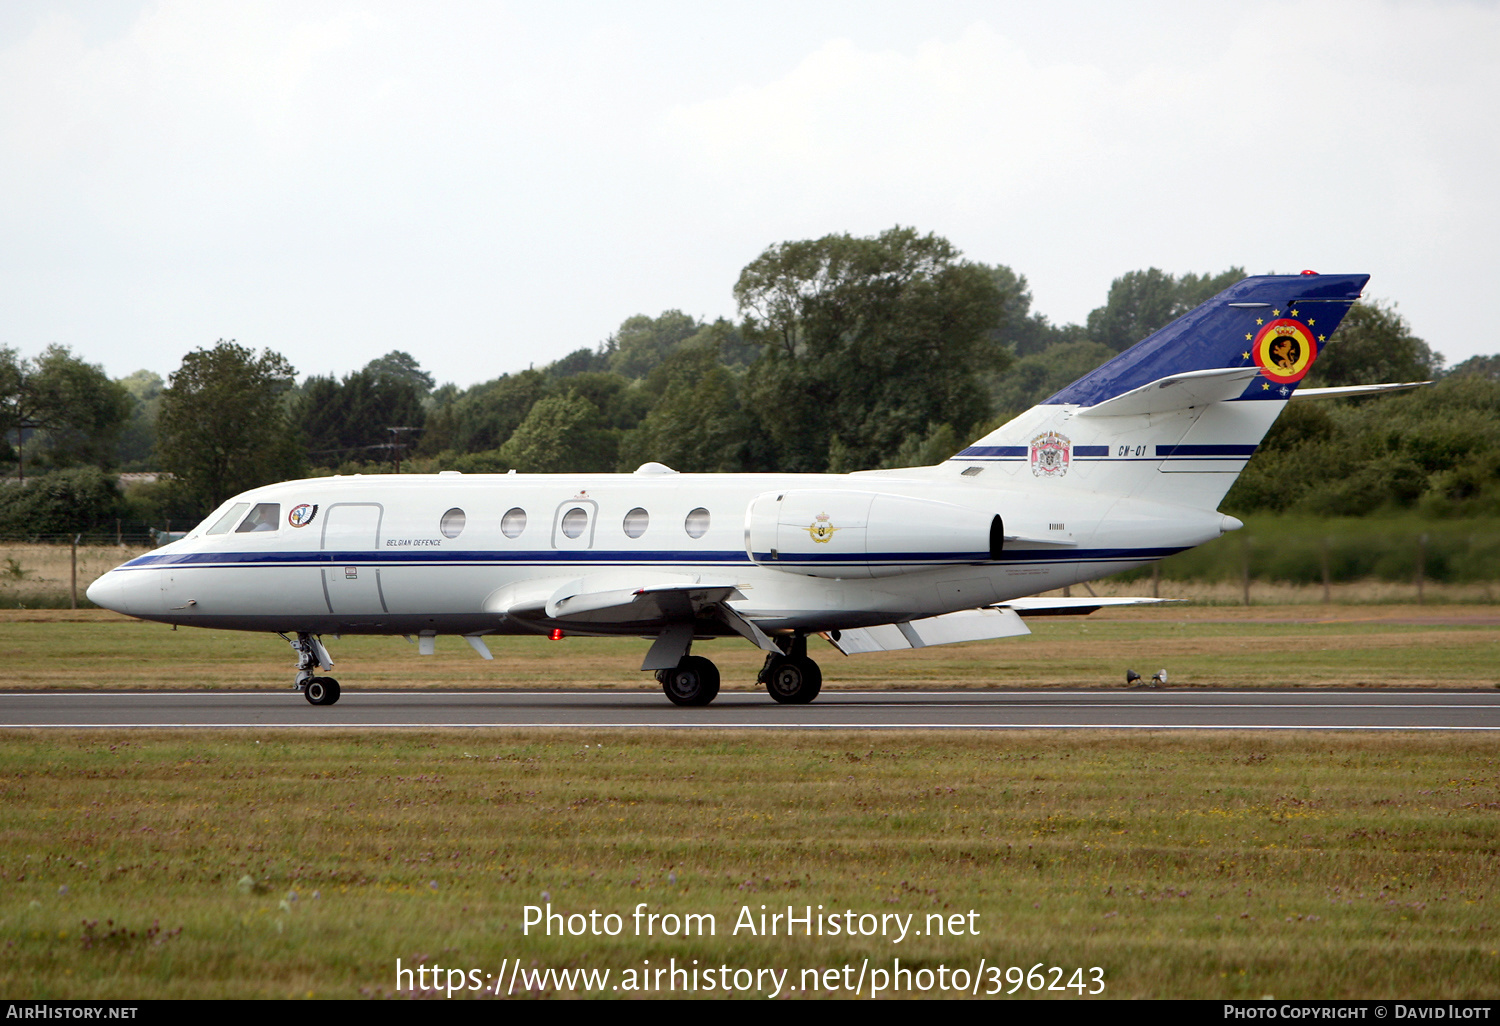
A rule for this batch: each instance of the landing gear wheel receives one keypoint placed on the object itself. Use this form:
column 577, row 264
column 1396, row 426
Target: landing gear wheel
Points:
column 792, row 680
column 694, row 681
column 321, row 691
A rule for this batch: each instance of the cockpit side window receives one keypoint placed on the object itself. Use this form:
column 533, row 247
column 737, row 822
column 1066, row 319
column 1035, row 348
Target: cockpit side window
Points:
column 266, row 516
column 224, row 523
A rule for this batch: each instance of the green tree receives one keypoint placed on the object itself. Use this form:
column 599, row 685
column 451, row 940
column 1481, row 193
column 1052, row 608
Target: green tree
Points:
column 398, row 365
column 644, row 342
column 61, row 503
column 561, row 434
column 867, row 342
column 73, row 409
column 137, row 443
column 1020, row 329
column 354, row 417
column 1374, row 344
column 1140, row 302
column 1434, row 449
column 1033, row 378
column 696, row 424
column 484, row 416
column 1483, row 366
column 223, row 426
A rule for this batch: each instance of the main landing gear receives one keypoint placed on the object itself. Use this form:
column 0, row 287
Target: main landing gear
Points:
column 310, row 656
column 790, row 677
column 693, row 681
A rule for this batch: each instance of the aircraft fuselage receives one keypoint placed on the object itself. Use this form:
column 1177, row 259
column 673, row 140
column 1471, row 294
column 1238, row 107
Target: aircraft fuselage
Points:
column 483, row 554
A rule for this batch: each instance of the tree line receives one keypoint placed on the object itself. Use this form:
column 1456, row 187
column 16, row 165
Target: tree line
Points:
column 849, row 353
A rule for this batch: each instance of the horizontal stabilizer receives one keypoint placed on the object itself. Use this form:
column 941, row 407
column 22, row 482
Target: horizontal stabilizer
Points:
column 966, row 625
column 1353, row 390
column 1176, row 392
column 1079, row 606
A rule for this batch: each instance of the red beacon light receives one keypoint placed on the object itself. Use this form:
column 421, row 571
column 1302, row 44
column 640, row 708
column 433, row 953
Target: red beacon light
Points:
column 556, row 635
column 1309, row 272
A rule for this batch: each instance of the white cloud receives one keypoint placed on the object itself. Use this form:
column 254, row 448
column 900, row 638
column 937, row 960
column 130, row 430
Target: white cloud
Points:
column 488, row 184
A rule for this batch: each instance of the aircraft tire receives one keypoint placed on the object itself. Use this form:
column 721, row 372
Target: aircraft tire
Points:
column 793, row 681
column 322, row 691
column 694, row 681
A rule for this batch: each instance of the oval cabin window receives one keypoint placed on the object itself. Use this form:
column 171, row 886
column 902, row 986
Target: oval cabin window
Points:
column 697, row 523
column 636, row 522
column 452, row 524
column 513, row 523
column 574, row 521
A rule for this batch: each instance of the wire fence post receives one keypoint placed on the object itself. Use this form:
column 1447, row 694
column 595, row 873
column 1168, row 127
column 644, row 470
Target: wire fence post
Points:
column 1421, row 565
column 73, row 590
column 1245, row 567
column 1156, row 580
column 1327, row 596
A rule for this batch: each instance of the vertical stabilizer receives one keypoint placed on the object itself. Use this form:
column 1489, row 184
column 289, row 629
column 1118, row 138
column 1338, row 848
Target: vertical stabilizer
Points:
column 1178, row 415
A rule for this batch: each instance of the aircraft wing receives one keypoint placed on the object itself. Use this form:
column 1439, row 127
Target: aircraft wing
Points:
column 642, row 597
column 965, row 625
column 1002, row 621
column 1075, row 606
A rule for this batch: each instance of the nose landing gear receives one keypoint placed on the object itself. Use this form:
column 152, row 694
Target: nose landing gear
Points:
column 321, row 691
column 310, row 656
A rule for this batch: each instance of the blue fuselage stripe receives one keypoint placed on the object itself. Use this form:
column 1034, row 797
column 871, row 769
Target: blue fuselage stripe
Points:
column 190, row 560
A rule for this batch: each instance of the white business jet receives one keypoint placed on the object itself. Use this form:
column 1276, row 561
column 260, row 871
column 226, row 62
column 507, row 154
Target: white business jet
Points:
column 1123, row 467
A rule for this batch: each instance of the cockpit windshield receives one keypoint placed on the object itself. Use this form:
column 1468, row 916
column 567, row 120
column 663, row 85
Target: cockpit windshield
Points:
column 266, row 516
column 224, row 523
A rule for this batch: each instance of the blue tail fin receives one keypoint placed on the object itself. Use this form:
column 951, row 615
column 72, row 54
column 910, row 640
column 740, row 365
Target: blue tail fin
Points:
column 1277, row 323
column 1165, row 419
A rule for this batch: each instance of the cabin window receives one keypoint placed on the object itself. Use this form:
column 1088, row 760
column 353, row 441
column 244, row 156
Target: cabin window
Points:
column 513, row 523
column 636, row 522
column 452, row 524
column 574, row 521
column 266, row 516
column 224, row 523
column 696, row 523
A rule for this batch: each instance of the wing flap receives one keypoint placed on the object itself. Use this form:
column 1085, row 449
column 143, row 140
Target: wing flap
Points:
column 947, row 629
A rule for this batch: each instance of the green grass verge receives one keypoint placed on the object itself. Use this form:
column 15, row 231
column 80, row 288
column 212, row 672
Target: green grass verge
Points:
column 275, row 864
column 1452, row 647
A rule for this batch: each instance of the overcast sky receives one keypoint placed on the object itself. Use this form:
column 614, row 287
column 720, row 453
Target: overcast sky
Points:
column 489, row 185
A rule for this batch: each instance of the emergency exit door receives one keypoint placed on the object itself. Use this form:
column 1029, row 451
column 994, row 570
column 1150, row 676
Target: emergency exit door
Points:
column 351, row 536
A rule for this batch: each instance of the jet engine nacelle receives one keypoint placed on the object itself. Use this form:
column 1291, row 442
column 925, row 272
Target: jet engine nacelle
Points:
column 865, row 534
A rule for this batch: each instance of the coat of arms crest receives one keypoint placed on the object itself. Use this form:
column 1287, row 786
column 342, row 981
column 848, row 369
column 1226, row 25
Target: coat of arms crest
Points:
column 1050, row 454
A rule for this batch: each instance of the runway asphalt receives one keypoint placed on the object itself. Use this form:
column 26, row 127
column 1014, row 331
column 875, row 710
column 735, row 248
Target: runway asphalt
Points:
column 593, row 709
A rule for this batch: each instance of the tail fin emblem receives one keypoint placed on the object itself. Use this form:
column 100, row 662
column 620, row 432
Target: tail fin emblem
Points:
column 1050, row 454
column 1285, row 350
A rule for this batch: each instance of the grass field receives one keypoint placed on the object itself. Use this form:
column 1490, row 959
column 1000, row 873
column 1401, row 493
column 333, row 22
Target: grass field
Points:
column 255, row 864
column 1271, row 646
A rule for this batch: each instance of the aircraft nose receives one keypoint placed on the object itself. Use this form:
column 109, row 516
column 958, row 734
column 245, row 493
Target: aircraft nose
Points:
column 134, row 592
column 108, row 592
